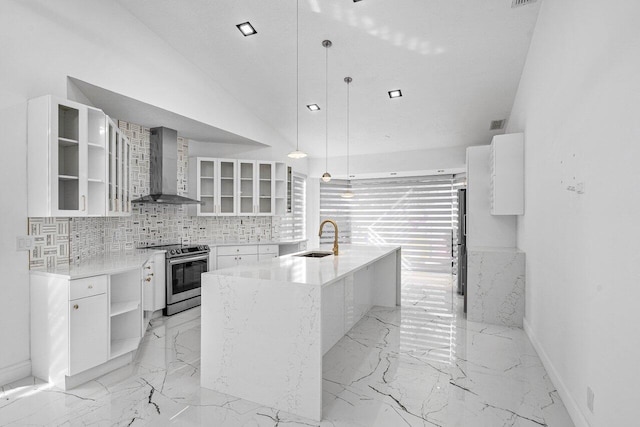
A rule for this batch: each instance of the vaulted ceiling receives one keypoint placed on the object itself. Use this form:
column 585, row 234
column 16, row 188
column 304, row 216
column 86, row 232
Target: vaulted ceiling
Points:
column 458, row 64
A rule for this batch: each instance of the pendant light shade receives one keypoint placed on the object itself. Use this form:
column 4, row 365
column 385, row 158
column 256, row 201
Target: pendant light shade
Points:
column 297, row 154
column 347, row 194
column 326, row 177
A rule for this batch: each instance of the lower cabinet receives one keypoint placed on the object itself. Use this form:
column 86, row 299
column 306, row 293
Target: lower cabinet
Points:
column 88, row 338
column 344, row 303
column 231, row 256
column 153, row 283
column 80, row 324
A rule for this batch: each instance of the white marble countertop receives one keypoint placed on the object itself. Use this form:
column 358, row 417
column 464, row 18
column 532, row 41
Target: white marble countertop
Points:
column 310, row 271
column 109, row 263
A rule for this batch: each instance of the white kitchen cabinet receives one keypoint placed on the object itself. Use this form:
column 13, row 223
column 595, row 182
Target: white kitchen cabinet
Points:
column 80, row 328
column 153, row 283
column 266, row 188
column 228, row 187
column 256, row 188
column 268, row 251
column 125, row 312
column 507, row 174
column 87, row 333
column 118, row 161
column 213, row 182
column 231, row 256
column 227, row 178
column 68, row 159
column 282, row 199
column 247, row 191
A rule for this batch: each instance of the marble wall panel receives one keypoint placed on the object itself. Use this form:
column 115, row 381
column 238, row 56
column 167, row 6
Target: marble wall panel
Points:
column 495, row 286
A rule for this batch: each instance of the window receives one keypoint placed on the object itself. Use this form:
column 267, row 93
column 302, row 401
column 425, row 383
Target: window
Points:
column 293, row 225
column 417, row 213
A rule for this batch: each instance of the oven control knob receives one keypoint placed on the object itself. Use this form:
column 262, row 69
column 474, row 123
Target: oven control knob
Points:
column 206, row 247
column 172, row 251
column 178, row 251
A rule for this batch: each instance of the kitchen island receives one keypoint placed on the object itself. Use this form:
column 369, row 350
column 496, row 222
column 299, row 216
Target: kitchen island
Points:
column 266, row 326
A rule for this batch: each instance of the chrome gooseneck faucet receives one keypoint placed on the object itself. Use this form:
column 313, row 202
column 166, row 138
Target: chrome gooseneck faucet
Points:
column 335, row 239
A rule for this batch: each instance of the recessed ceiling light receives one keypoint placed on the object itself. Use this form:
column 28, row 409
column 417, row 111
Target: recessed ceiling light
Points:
column 246, row 29
column 313, row 107
column 395, row 93
column 356, row 1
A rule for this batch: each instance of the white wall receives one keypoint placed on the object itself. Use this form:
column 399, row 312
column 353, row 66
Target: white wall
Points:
column 43, row 42
column 579, row 106
column 425, row 162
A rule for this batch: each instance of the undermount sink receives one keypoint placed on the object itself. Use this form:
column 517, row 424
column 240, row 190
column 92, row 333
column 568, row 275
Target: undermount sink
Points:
column 316, row 254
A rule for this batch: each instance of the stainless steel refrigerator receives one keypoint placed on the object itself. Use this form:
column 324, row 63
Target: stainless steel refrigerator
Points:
column 462, row 245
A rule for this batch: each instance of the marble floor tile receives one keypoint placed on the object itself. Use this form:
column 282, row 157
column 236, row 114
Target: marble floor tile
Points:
column 419, row 365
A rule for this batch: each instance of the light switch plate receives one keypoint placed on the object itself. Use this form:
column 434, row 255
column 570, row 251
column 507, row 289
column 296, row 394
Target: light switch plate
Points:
column 25, row 243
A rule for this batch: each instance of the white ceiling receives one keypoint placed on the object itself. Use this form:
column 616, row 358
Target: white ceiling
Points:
column 457, row 62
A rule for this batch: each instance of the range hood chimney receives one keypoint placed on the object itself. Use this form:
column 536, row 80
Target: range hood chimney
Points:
column 163, row 169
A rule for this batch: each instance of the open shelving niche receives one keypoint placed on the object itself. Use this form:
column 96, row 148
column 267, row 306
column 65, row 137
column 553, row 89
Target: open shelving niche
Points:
column 281, row 189
column 125, row 312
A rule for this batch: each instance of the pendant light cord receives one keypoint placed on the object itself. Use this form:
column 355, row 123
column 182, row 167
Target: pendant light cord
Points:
column 326, row 97
column 297, row 75
column 348, row 84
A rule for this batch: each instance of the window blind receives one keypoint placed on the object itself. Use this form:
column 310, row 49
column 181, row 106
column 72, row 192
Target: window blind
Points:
column 293, row 224
column 416, row 213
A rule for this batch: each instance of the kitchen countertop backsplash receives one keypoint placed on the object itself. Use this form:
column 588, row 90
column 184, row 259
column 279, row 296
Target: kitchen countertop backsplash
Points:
column 59, row 241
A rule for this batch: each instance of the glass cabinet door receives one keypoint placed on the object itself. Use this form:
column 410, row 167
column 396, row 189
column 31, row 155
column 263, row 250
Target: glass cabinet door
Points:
column 266, row 188
column 247, row 184
column 227, row 187
column 207, row 170
column 68, row 148
column 113, row 150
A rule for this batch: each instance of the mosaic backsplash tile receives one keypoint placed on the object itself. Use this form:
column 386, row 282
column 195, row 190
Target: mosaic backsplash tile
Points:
column 51, row 242
column 62, row 239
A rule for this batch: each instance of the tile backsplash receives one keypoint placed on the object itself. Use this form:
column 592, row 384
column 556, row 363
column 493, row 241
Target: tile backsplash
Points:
column 61, row 240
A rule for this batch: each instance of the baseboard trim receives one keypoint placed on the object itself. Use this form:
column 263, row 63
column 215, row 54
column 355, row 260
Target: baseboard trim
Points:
column 15, row 372
column 569, row 402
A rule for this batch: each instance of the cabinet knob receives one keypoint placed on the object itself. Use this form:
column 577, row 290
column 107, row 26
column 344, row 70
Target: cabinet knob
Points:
column 148, row 267
column 75, row 306
column 148, row 279
column 150, row 274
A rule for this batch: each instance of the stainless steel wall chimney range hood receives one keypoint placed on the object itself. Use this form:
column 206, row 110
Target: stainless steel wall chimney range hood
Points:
column 163, row 170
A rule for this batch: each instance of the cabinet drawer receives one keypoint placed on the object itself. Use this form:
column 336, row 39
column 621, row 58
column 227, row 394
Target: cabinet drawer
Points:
column 81, row 288
column 268, row 249
column 238, row 250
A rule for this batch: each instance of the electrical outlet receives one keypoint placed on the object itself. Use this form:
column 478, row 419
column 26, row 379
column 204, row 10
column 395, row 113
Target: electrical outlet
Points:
column 590, row 397
column 25, row 243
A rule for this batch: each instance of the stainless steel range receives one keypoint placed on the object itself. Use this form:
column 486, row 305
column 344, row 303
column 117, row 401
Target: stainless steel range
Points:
column 184, row 265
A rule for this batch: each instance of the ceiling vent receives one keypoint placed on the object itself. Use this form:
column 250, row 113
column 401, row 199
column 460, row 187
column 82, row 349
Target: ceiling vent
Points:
column 497, row 124
column 518, row 3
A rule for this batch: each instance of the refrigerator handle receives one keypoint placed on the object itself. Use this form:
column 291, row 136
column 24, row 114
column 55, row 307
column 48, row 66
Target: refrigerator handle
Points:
column 464, row 225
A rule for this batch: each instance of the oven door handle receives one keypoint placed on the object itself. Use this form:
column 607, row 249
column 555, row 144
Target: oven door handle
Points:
column 194, row 258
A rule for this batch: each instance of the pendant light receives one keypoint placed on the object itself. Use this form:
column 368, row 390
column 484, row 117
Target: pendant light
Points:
column 347, row 194
column 326, row 177
column 297, row 154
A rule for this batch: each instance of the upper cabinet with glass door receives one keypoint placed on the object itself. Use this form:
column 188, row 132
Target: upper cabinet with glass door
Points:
column 203, row 185
column 266, row 186
column 228, row 187
column 67, row 159
column 118, row 160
